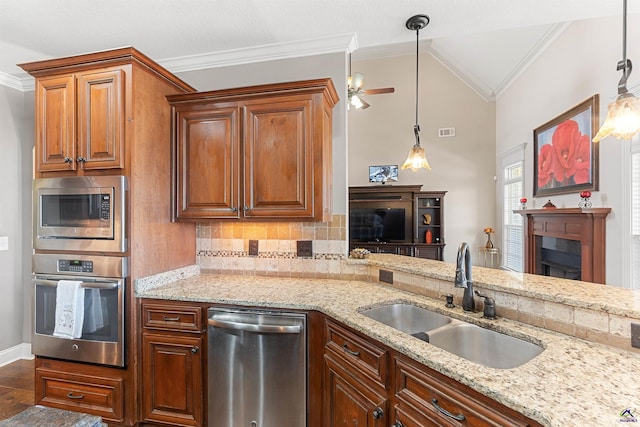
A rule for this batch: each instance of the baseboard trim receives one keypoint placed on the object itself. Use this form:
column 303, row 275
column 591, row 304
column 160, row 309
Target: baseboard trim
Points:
column 17, row 352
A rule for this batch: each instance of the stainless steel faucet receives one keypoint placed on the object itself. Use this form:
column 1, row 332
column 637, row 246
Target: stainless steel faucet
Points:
column 463, row 276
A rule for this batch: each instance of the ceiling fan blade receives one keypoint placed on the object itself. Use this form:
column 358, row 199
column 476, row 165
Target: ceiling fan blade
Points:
column 379, row 91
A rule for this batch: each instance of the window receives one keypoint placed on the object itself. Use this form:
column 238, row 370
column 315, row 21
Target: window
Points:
column 512, row 186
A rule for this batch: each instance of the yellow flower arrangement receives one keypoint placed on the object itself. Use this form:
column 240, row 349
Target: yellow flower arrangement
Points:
column 489, row 230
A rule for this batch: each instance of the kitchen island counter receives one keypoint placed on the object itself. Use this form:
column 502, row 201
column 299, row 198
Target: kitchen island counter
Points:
column 572, row 382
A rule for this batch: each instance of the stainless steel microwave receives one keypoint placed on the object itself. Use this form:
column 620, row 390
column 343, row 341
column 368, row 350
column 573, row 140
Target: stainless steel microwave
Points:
column 85, row 213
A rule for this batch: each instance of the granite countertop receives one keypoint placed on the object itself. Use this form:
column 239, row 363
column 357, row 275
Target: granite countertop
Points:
column 572, row 382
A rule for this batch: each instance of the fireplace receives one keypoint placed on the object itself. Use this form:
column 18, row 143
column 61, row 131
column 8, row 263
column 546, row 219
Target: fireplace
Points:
column 568, row 243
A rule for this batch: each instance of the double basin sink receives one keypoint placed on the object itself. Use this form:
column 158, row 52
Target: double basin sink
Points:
column 472, row 342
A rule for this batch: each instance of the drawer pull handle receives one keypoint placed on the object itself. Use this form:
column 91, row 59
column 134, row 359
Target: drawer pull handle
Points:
column 443, row 411
column 170, row 319
column 70, row 395
column 398, row 424
column 351, row 352
column 195, row 349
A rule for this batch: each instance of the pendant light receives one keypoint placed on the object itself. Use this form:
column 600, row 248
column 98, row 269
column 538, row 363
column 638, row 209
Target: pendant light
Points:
column 417, row 158
column 623, row 118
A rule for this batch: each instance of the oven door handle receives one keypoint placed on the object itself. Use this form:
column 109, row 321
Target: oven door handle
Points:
column 90, row 285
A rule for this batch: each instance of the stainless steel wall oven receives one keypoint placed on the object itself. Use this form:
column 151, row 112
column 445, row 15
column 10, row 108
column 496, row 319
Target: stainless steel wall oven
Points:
column 102, row 279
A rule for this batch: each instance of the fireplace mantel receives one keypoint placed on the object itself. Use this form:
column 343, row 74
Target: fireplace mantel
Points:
column 588, row 226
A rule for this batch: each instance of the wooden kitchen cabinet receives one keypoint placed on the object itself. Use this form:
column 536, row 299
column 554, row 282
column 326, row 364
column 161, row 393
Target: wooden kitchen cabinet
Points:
column 80, row 121
column 173, row 364
column 80, row 387
column 368, row 384
column 350, row 401
column 260, row 152
column 355, row 379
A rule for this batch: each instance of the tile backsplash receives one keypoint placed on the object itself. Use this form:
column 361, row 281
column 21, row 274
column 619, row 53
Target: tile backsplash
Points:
column 223, row 248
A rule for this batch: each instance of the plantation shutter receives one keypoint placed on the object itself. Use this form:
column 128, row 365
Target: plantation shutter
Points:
column 513, row 232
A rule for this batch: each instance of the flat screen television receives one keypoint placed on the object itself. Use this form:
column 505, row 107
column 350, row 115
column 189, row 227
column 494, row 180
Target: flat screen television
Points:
column 383, row 173
column 379, row 224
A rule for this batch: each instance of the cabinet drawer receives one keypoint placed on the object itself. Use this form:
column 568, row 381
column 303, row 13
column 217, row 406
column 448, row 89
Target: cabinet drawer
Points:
column 172, row 317
column 82, row 393
column 430, row 394
column 366, row 357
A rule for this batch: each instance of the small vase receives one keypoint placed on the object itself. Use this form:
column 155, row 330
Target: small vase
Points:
column 428, row 237
column 489, row 244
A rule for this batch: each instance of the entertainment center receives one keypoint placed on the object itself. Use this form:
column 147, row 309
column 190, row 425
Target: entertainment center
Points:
column 397, row 219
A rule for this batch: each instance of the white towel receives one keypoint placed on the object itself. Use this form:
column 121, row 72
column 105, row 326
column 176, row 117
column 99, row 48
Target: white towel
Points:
column 93, row 311
column 69, row 309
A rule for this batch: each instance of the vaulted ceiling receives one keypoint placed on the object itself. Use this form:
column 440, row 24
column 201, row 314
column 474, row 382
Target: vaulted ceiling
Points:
column 485, row 42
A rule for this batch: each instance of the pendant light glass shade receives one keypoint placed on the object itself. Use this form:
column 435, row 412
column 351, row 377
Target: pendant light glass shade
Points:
column 417, row 158
column 623, row 117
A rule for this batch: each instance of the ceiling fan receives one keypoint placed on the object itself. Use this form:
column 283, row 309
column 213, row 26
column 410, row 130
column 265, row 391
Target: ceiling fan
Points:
column 356, row 90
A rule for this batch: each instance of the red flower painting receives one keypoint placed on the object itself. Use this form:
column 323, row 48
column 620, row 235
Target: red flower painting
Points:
column 565, row 155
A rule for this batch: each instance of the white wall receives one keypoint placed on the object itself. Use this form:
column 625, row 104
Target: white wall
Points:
column 16, row 141
column 463, row 165
column 580, row 63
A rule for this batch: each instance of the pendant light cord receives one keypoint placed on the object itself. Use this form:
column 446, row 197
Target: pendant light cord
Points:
column 624, row 65
column 416, row 127
column 624, row 30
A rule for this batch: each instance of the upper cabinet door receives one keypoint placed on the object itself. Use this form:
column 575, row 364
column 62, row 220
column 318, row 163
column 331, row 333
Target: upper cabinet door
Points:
column 207, row 157
column 254, row 153
column 278, row 156
column 55, row 124
column 101, row 116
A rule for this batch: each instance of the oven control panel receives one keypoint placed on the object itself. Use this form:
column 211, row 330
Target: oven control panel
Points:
column 75, row 266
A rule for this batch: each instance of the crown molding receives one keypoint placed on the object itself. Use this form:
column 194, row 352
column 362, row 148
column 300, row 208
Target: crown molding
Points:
column 24, row 85
column 337, row 43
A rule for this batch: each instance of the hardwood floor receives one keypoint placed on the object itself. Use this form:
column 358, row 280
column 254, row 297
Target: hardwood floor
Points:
column 16, row 387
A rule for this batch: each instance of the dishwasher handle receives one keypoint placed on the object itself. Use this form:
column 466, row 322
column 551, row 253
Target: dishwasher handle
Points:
column 252, row 327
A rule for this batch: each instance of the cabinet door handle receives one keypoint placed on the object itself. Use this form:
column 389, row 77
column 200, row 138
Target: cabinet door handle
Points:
column 234, row 209
column 195, row 349
column 398, row 424
column 378, row 413
column 81, row 159
column 245, row 208
column 170, row 319
column 70, row 395
column 443, row 411
column 351, row 352
column 68, row 160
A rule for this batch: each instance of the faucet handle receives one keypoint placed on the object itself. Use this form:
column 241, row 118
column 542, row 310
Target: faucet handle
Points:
column 489, row 311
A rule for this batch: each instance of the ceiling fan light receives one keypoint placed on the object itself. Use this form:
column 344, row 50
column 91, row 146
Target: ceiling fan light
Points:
column 417, row 159
column 623, row 118
column 356, row 102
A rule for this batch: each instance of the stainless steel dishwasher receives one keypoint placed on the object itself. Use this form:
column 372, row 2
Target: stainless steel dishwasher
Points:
column 257, row 368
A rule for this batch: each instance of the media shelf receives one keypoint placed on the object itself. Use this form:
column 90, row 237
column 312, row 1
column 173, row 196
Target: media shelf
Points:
column 398, row 219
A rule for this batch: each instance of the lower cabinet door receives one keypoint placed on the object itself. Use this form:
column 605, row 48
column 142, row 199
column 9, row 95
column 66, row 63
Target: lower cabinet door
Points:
column 172, row 380
column 351, row 402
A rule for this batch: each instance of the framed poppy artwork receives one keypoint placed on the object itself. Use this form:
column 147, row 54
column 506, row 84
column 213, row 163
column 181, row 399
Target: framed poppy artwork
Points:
column 565, row 159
